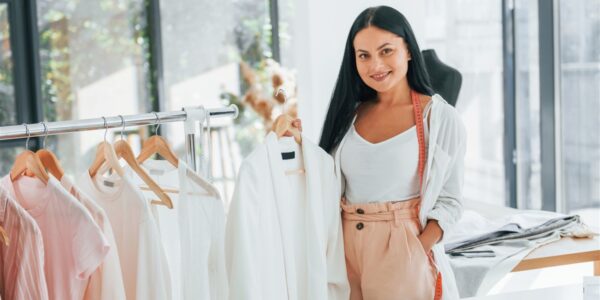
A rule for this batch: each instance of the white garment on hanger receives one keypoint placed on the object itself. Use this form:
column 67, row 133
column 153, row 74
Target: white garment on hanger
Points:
column 142, row 257
column 193, row 232
column 284, row 236
column 107, row 281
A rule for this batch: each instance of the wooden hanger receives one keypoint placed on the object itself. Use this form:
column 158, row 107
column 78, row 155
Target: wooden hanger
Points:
column 28, row 164
column 124, row 151
column 105, row 153
column 4, row 236
column 48, row 159
column 156, row 144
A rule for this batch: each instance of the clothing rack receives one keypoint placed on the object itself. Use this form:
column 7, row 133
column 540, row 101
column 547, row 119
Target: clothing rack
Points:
column 190, row 115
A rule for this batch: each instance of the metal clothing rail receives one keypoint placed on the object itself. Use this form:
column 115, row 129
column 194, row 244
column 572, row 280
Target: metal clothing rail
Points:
column 61, row 127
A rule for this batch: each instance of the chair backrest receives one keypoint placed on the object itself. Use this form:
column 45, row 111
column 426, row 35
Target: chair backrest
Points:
column 445, row 80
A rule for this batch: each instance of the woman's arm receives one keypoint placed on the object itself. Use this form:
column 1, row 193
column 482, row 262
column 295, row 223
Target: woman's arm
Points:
column 447, row 209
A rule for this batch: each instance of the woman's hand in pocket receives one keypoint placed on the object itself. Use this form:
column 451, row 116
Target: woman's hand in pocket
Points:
column 427, row 245
column 430, row 235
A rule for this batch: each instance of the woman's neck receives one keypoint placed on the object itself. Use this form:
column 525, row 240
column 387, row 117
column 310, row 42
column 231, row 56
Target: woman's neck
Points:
column 398, row 95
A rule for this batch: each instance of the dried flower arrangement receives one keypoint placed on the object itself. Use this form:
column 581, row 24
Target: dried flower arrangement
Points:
column 260, row 101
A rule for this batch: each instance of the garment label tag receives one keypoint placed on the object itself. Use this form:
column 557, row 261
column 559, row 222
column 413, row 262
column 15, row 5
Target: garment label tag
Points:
column 156, row 172
column 288, row 155
column 109, row 183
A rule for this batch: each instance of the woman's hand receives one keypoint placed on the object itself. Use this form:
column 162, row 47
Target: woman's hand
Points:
column 298, row 124
column 430, row 235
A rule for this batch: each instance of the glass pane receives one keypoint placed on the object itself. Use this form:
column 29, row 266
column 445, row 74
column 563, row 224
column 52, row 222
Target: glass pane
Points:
column 203, row 44
column 7, row 157
column 7, row 94
column 527, row 105
column 470, row 40
column 580, row 105
column 94, row 62
column 287, row 13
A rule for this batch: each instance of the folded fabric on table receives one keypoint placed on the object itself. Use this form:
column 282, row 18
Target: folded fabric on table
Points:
column 483, row 249
column 514, row 231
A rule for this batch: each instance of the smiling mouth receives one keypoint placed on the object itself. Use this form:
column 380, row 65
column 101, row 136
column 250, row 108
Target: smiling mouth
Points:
column 381, row 76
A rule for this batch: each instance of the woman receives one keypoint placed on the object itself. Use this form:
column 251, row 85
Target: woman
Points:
column 401, row 182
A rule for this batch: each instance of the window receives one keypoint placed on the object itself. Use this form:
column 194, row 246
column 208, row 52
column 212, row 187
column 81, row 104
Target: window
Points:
column 203, row 43
column 93, row 62
column 7, row 91
column 8, row 111
column 470, row 40
column 579, row 37
column 87, row 59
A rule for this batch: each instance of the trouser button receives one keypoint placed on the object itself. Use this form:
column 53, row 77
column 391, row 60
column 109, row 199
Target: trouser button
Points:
column 360, row 211
column 360, row 226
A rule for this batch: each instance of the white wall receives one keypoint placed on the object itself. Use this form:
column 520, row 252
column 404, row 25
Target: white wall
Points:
column 320, row 31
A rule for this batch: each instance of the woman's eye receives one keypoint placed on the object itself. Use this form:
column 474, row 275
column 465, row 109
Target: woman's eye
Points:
column 386, row 51
column 362, row 56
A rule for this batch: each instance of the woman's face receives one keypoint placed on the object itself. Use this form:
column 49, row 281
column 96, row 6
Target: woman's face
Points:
column 381, row 58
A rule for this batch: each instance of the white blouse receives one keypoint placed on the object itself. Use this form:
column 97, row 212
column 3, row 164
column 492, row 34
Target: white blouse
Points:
column 384, row 171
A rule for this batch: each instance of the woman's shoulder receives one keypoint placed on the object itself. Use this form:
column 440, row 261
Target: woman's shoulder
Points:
column 447, row 115
column 444, row 108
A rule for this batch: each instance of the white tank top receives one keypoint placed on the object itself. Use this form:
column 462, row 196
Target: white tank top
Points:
column 384, row 171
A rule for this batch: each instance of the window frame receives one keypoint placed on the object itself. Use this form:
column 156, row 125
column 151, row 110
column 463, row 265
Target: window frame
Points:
column 549, row 105
column 549, row 72
column 26, row 71
column 510, row 118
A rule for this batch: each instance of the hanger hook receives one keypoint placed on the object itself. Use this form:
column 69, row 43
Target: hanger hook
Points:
column 156, row 124
column 282, row 91
column 122, row 124
column 28, row 136
column 45, row 134
column 105, row 128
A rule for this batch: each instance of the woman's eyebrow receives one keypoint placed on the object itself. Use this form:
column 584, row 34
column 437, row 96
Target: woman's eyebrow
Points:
column 378, row 48
column 383, row 45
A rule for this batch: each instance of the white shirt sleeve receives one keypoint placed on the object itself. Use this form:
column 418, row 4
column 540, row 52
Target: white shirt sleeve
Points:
column 337, row 278
column 447, row 210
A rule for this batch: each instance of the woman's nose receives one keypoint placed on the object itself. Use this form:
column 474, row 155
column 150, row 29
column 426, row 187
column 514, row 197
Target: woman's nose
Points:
column 376, row 65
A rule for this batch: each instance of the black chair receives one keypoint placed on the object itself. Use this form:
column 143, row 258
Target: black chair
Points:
column 445, row 80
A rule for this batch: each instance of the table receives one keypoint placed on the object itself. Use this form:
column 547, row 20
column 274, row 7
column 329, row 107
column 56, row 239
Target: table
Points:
column 565, row 251
column 562, row 252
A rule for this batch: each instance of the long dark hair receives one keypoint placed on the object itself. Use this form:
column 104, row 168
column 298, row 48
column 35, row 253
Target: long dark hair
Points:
column 350, row 90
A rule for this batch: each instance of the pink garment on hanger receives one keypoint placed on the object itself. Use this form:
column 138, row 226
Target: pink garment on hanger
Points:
column 22, row 261
column 74, row 245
